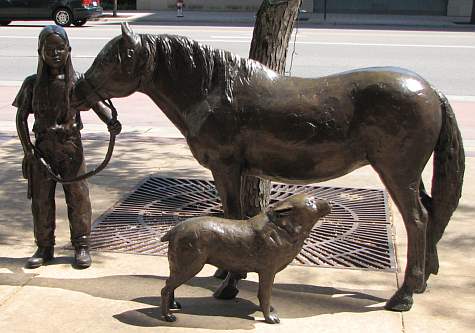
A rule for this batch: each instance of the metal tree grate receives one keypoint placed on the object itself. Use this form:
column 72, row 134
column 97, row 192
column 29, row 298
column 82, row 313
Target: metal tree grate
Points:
column 356, row 234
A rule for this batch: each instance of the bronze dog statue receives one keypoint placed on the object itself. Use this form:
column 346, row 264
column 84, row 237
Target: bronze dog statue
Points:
column 265, row 244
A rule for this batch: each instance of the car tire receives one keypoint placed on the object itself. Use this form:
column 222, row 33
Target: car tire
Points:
column 63, row 17
column 79, row 23
column 5, row 22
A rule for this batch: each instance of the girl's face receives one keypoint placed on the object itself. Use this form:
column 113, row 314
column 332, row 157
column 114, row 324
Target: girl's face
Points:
column 55, row 51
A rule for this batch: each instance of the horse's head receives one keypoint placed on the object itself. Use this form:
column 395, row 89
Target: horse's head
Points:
column 117, row 70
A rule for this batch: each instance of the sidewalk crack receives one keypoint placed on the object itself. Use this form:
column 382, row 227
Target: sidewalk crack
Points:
column 17, row 290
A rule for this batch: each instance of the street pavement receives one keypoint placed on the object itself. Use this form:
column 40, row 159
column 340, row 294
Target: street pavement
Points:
column 121, row 292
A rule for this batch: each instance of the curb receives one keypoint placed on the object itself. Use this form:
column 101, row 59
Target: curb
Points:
column 314, row 19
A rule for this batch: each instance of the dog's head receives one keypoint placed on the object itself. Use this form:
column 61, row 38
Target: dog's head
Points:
column 298, row 213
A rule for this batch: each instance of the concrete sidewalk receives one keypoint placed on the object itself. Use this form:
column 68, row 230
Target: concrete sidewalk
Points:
column 121, row 292
column 306, row 19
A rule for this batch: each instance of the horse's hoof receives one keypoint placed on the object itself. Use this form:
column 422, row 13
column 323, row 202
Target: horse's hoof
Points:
column 421, row 288
column 400, row 302
column 169, row 317
column 432, row 266
column 220, row 274
column 226, row 292
column 175, row 305
column 273, row 318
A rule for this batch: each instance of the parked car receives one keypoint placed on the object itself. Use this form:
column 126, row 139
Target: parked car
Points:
column 63, row 12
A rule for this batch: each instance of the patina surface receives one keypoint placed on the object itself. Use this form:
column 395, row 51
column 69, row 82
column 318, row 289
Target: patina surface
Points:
column 48, row 95
column 241, row 118
column 265, row 244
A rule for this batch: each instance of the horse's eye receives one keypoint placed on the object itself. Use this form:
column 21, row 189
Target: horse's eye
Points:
column 130, row 53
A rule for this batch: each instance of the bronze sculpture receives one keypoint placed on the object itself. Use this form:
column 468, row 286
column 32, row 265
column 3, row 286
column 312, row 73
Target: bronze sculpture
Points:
column 48, row 95
column 240, row 118
column 265, row 244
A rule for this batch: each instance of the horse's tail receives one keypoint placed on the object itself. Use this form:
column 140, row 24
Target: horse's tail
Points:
column 449, row 167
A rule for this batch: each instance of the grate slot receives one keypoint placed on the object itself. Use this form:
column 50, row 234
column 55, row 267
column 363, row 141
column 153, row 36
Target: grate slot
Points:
column 356, row 234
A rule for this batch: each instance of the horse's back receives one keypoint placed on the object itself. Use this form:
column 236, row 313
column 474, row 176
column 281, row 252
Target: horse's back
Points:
column 334, row 124
column 395, row 107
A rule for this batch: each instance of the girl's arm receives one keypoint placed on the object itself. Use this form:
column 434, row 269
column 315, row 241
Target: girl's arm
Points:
column 23, row 102
column 105, row 114
column 23, row 131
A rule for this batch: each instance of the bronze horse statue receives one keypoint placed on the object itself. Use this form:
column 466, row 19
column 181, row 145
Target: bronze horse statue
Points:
column 241, row 118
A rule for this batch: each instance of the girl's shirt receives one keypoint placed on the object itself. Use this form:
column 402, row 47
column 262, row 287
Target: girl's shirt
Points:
column 57, row 116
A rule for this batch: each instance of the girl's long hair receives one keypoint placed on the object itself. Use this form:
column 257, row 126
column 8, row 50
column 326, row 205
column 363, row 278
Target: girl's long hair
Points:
column 41, row 99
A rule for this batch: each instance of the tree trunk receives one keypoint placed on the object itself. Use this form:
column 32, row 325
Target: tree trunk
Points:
column 275, row 22
column 472, row 18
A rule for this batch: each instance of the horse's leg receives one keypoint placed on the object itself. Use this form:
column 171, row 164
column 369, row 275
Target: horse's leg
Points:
column 431, row 260
column 404, row 190
column 425, row 198
column 228, row 184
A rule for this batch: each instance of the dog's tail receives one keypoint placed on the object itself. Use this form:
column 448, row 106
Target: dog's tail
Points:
column 166, row 237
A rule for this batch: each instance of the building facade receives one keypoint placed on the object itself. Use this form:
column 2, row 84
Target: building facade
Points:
column 396, row 7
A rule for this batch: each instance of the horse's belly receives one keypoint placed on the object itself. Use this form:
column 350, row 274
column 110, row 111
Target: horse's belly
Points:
column 313, row 164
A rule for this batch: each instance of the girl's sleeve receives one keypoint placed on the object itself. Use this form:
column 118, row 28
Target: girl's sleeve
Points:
column 24, row 97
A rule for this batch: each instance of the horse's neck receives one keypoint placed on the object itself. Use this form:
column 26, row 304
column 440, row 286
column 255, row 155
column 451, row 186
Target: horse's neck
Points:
column 169, row 108
column 182, row 77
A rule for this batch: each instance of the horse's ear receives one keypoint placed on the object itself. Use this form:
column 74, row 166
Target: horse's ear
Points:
column 127, row 34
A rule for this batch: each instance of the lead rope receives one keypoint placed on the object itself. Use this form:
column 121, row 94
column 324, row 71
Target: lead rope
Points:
column 110, row 150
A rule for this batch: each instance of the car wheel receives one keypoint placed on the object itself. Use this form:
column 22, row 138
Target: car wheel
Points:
column 79, row 23
column 63, row 17
column 5, row 22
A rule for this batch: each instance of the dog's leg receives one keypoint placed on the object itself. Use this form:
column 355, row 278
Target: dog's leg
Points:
column 266, row 280
column 179, row 274
column 167, row 294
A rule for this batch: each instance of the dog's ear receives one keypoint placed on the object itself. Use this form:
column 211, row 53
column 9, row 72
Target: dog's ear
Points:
column 280, row 218
column 283, row 210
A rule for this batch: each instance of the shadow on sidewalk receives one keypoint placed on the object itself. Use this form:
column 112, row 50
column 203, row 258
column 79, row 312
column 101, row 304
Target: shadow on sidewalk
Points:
column 293, row 300
column 134, row 157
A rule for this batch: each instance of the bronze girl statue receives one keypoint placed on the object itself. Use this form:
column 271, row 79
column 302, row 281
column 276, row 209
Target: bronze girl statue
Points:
column 48, row 95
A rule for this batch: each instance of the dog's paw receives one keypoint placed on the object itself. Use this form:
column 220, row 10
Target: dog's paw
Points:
column 169, row 317
column 272, row 318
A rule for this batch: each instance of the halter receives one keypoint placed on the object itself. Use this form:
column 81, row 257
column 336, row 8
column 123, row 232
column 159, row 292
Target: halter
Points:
column 100, row 167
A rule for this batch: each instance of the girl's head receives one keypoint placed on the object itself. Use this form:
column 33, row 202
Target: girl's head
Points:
column 53, row 47
column 54, row 58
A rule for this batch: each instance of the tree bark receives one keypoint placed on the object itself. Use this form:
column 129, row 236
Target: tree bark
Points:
column 275, row 22
column 273, row 28
column 472, row 18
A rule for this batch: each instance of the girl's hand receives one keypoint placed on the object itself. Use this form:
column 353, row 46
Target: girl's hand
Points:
column 114, row 127
column 27, row 164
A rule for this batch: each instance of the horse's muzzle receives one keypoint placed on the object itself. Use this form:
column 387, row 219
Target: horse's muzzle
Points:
column 86, row 93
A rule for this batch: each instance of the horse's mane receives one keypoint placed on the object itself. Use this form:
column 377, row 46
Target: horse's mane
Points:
column 178, row 58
